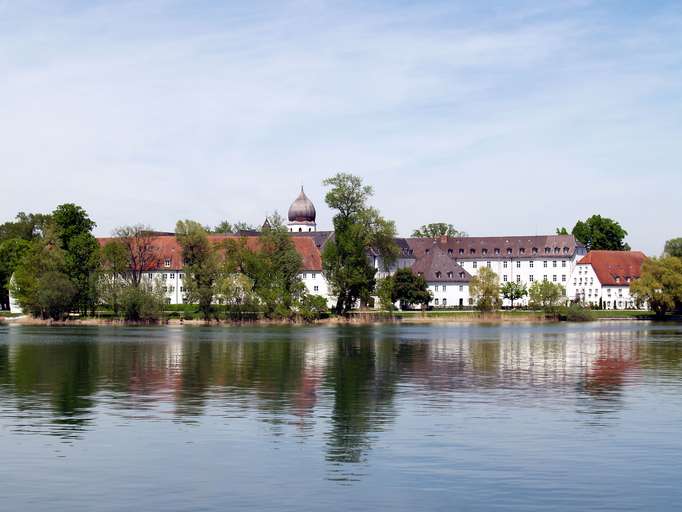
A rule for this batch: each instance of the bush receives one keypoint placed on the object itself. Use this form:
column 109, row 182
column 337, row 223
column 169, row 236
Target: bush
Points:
column 576, row 313
column 313, row 307
column 142, row 304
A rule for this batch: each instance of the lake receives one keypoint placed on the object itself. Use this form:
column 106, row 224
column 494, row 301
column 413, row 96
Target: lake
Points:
column 424, row 417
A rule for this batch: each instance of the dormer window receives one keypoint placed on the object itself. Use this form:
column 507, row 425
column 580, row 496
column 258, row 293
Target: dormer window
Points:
column 450, row 275
column 472, row 251
column 485, row 251
column 461, row 251
column 437, row 275
column 522, row 250
column 167, row 263
column 566, row 249
column 548, row 250
column 557, row 250
column 427, row 251
column 617, row 279
column 497, row 252
column 535, row 250
column 461, row 275
column 449, row 252
column 420, row 274
column 509, row 250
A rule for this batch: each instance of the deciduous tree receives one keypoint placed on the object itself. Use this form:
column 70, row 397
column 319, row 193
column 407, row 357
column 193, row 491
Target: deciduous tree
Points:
column 437, row 229
column 409, row 289
column 601, row 233
column 673, row 248
column 660, row 284
column 484, row 288
column 546, row 295
column 513, row 291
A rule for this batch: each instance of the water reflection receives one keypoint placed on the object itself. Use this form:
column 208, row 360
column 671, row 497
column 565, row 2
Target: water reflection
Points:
column 351, row 384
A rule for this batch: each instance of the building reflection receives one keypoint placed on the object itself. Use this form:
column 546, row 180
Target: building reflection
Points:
column 345, row 382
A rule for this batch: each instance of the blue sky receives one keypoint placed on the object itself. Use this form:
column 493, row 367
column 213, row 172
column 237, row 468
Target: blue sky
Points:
column 499, row 117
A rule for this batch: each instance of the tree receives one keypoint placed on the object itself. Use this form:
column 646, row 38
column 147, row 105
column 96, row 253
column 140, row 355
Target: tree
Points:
column 226, row 227
column 56, row 294
column 437, row 229
column 562, row 231
column 673, row 248
column 312, row 307
column 659, row 284
column 484, row 288
column 141, row 251
column 81, row 251
column 409, row 288
column 384, row 291
column 358, row 231
column 200, row 264
column 11, row 252
column 601, row 233
column 26, row 226
column 546, row 295
column 513, row 291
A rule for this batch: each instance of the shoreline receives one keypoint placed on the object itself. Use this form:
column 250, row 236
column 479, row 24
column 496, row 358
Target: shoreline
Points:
column 360, row 318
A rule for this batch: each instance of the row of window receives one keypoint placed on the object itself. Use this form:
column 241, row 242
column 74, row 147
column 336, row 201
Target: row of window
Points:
column 444, row 302
column 150, row 275
column 509, row 251
column 531, row 278
column 531, row 264
column 443, row 287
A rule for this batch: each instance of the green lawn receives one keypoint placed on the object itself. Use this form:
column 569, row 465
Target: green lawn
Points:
column 7, row 314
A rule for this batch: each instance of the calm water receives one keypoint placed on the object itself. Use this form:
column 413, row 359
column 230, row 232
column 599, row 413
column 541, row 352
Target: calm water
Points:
column 561, row 417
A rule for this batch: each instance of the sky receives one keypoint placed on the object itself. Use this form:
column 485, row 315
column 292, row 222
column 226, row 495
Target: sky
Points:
column 502, row 118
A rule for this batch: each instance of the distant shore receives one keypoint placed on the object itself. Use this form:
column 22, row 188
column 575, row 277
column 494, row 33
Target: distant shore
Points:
column 356, row 318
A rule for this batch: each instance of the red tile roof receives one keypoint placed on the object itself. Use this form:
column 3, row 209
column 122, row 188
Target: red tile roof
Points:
column 168, row 248
column 609, row 265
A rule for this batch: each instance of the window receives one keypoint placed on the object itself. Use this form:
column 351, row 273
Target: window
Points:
column 172, row 276
column 150, row 275
column 461, row 288
column 487, row 264
column 449, row 252
column 445, row 302
column 427, row 251
column 182, row 276
column 509, row 250
column 530, row 264
column 557, row 250
column 617, row 279
column 475, row 264
column 563, row 278
column 522, row 250
column 497, row 252
column 518, row 279
column 443, row 288
column 168, row 301
column 435, row 288
column 485, row 251
column 554, row 278
column 504, row 264
column 554, row 264
column 472, row 251
column 461, row 275
column 544, row 264
column 316, row 288
column 471, row 301
column 438, row 274
column 449, row 275
column 171, row 289
column 167, row 263
column 164, row 276
column 535, row 250
column 531, row 278
column 435, row 302
column 461, row 251
column 544, row 278
column 518, row 264
column 563, row 264
column 547, row 250
column 504, row 278
column 182, row 289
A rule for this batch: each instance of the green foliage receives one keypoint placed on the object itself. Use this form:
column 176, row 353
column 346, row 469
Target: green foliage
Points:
column 409, row 288
column 227, row 227
column 513, row 291
column 673, row 248
column 562, row 231
column 576, row 313
column 546, row 295
column 384, row 291
column 484, row 288
column 358, row 231
column 11, row 252
column 141, row 303
column 437, row 229
column 601, row 233
column 141, row 252
column 55, row 295
column 312, row 307
column 25, row 226
column 201, row 264
column 660, row 284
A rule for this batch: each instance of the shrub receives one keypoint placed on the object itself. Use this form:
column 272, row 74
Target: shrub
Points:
column 576, row 313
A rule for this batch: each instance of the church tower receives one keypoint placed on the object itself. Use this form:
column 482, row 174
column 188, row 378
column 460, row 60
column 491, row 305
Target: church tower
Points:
column 302, row 215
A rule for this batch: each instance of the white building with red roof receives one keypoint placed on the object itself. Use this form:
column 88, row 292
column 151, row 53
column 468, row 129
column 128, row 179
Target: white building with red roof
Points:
column 602, row 278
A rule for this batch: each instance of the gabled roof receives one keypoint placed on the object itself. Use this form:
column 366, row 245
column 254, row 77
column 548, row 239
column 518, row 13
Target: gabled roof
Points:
column 615, row 268
column 498, row 247
column 437, row 266
column 168, row 248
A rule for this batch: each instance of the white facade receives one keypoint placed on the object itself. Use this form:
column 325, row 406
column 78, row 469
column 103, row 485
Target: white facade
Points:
column 586, row 288
column 449, row 295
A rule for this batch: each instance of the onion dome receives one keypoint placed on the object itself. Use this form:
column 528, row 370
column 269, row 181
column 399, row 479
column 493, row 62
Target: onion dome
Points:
column 302, row 209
